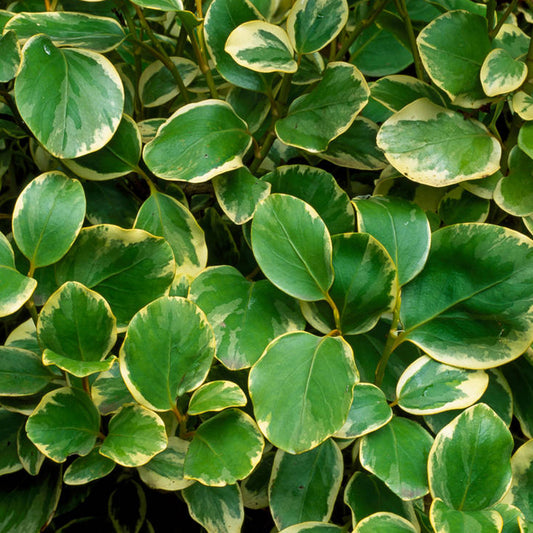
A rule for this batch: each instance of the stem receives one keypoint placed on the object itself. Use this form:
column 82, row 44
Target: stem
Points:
column 336, row 315
column 393, row 341
column 491, row 14
column 198, row 46
column 510, row 143
column 360, row 27
column 86, row 385
column 30, row 306
column 402, row 10
column 144, row 175
column 182, row 421
column 510, row 8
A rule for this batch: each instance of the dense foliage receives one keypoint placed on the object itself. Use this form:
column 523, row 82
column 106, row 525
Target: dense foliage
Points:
column 266, row 266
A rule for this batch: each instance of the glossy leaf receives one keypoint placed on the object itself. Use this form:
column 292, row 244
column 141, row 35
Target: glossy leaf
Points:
column 79, row 119
column 167, row 351
column 501, row 74
column 384, row 523
column 459, row 205
column 10, row 424
column 109, row 392
column 29, row 456
column 224, row 449
column 112, row 261
column 313, row 398
column 469, row 463
column 199, row 141
column 519, row 493
column 312, row 527
column 216, row 396
column 523, row 105
column 428, row 387
column 409, row 443
column 135, row 435
column 165, row 5
column 65, row 422
column 316, row 118
column 245, row 315
column 255, row 486
column 89, row 468
column 436, row 146
column 48, row 216
column 292, row 246
column 10, row 53
column 252, row 107
column 304, row 487
column 498, row 328
column 448, row 520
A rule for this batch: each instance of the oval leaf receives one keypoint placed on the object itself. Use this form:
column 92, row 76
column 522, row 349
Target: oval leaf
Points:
column 448, row 520
column 501, row 74
column 216, row 396
column 519, row 493
column 384, row 523
column 86, row 469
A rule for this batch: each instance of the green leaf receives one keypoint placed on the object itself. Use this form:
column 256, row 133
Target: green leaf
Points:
column 24, row 336
column 245, row 315
column 15, row 288
column 312, row 24
column 22, row 372
column 157, row 85
column 77, row 330
column 252, row 107
column 218, row 509
column 319, row 189
column 216, row 396
column 48, row 216
column 456, row 70
column 316, row 118
column 222, row 17
column 522, row 104
column 10, row 424
column 436, row 146
column 312, row 527
column 409, row 444
column 224, row 449
column 238, row 192
column 365, row 286
column 429, row 387
column 128, row 267
column 312, row 398
column 135, row 435
column 513, row 40
column 164, row 216
column 468, row 308
column 127, row 507
column 108, row 202
column 369, row 411
column 521, row 488
column 84, row 97
column 165, row 470
column 99, row 34
column 304, row 487
column 501, row 74
column 109, row 392
column 458, row 205
column 10, row 53
column 384, row 522
column 255, row 486
column 164, row 5
column 65, row 422
column 199, row 141
column 513, row 518
column 167, row 351
column 261, row 47
column 292, row 247
column 469, row 463
column 401, row 226
column 448, row 520
column 29, row 456
column 86, row 469
column 118, row 157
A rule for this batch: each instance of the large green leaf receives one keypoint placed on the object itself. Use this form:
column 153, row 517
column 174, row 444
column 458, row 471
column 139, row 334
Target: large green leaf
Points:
column 384, row 522
column 456, row 70
column 65, row 422
column 100, row 34
column 199, row 141
column 470, row 305
column 312, row 24
column 446, row 520
column 469, row 463
column 316, row 118
column 128, row 267
column 245, row 315
column 409, row 444
column 84, row 97
column 224, row 449
column 365, row 286
column 304, row 487
column 300, row 406
column 521, row 489
column 77, row 330
column 15, row 288
column 218, row 509
column 436, row 146
column 48, row 216
column 401, row 226
column 135, row 435
column 167, row 351
column 292, row 246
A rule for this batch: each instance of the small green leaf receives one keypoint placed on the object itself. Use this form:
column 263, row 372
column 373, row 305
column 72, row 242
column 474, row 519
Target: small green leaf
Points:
column 109, row 392
column 384, row 522
column 10, row 424
column 304, row 487
column 29, row 456
column 224, row 449
column 84, row 97
column 48, row 216
column 65, row 422
column 292, row 246
column 199, row 141
column 163, row 5
column 313, row 399
column 86, row 469
column 459, row 205
column 167, row 351
column 216, row 396
column 252, row 107
column 522, row 103
column 469, row 463
column 10, row 54
column 501, row 74
column 409, row 443
column 446, row 520
column 135, row 435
